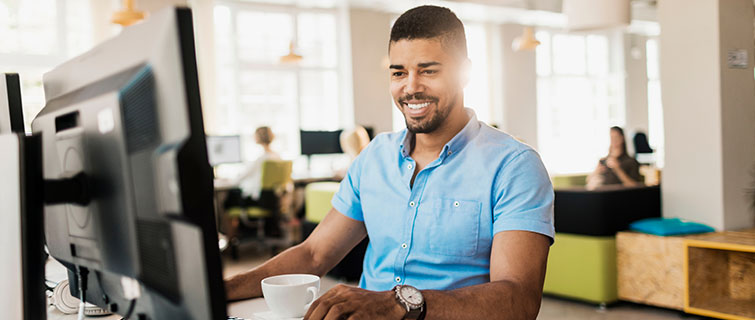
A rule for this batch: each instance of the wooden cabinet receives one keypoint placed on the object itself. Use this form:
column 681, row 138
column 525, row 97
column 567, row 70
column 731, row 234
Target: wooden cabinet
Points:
column 719, row 273
column 709, row 274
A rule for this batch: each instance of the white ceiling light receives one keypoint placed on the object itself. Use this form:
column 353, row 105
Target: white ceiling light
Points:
column 583, row 15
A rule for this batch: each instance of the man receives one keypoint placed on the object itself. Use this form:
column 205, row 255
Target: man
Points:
column 459, row 215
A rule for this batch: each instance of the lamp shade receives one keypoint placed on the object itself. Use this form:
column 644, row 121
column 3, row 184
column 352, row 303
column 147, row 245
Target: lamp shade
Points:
column 584, row 15
column 291, row 57
column 525, row 42
column 128, row 15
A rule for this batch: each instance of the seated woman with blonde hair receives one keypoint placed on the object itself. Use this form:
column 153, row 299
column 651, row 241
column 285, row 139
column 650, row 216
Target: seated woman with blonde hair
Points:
column 616, row 169
column 250, row 181
column 353, row 141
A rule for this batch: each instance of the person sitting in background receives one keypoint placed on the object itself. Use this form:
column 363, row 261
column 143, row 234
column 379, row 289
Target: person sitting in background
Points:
column 353, row 141
column 250, row 181
column 618, row 168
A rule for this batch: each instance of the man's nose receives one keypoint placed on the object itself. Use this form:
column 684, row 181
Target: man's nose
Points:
column 413, row 84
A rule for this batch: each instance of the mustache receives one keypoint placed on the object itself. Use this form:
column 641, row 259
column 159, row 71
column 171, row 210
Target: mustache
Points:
column 417, row 96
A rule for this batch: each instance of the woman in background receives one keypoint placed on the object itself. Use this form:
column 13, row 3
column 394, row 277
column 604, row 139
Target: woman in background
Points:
column 618, row 168
column 250, row 181
column 353, row 141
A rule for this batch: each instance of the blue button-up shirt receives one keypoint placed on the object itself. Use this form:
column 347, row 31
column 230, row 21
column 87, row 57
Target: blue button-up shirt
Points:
column 438, row 233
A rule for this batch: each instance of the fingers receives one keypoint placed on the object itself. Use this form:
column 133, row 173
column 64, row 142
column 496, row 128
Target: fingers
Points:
column 323, row 306
column 340, row 311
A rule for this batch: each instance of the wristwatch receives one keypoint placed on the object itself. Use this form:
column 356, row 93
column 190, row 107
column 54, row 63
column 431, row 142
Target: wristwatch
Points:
column 411, row 298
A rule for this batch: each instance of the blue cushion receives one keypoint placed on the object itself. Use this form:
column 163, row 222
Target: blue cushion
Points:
column 668, row 227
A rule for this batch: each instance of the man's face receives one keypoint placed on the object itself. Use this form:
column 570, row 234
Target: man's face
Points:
column 426, row 82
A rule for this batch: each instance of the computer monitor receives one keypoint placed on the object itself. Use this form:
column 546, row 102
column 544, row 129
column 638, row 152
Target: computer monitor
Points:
column 11, row 112
column 127, row 115
column 224, row 149
column 22, row 293
column 320, row 142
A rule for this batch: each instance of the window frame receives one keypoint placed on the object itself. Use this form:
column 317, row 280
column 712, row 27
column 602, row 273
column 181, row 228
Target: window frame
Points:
column 615, row 114
column 237, row 6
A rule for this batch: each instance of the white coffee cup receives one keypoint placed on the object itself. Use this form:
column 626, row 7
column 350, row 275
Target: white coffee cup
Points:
column 290, row 295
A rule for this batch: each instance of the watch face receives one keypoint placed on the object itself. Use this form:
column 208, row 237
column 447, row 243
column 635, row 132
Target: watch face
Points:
column 411, row 295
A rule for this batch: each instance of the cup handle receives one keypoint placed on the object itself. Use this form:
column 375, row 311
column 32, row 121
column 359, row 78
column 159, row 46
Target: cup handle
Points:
column 314, row 291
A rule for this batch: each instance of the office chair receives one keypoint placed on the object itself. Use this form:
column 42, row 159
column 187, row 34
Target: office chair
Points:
column 642, row 151
column 263, row 220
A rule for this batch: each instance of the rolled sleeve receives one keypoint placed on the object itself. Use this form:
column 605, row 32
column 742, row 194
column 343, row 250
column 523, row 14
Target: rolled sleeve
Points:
column 347, row 200
column 524, row 196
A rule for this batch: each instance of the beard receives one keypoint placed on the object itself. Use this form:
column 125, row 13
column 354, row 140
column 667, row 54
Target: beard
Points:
column 429, row 123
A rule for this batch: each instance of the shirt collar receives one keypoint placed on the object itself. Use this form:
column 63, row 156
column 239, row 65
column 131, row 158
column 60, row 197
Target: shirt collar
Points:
column 454, row 145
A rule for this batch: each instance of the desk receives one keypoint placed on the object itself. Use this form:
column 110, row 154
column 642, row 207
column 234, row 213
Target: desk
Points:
column 245, row 309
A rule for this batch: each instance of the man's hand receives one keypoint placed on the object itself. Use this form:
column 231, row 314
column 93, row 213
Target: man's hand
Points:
column 345, row 302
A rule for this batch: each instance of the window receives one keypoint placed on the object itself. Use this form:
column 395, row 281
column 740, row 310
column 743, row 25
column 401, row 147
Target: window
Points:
column 477, row 92
column 255, row 89
column 655, row 108
column 578, row 99
column 37, row 35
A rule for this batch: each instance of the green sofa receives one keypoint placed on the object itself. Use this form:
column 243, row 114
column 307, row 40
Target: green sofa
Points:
column 569, row 181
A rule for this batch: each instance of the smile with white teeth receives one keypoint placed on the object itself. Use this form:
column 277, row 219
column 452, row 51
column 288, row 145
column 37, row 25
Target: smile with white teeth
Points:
column 417, row 106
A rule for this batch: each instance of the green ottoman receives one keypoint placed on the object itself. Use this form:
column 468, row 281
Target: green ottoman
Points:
column 582, row 268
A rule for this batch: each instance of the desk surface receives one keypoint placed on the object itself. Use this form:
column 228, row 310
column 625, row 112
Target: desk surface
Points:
column 244, row 309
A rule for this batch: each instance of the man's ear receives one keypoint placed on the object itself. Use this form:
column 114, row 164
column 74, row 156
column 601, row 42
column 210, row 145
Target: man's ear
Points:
column 464, row 70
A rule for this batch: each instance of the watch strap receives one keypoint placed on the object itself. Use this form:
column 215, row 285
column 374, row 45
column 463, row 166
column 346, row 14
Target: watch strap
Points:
column 424, row 312
column 414, row 314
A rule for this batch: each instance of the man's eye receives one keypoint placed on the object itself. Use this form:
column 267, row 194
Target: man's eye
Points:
column 398, row 74
column 430, row 71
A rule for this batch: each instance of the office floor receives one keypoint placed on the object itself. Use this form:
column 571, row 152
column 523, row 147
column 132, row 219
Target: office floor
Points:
column 551, row 308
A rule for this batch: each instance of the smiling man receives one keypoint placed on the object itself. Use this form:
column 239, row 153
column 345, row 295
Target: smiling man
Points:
column 459, row 215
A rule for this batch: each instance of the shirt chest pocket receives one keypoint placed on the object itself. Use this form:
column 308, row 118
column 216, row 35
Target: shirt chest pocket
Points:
column 455, row 227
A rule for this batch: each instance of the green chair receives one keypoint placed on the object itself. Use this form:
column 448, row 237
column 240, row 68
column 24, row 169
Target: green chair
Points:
column 276, row 178
column 583, row 268
column 263, row 220
column 317, row 200
column 317, row 197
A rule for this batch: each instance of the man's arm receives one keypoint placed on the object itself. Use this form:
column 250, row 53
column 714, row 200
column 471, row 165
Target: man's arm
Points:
column 517, row 273
column 333, row 238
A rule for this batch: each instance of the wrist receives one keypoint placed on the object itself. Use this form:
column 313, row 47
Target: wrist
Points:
column 398, row 311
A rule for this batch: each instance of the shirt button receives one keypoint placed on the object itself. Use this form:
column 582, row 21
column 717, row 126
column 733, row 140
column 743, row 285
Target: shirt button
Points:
column 403, row 245
column 456, row 204
column 410, row 166
column 398, row 279
column 412, row 204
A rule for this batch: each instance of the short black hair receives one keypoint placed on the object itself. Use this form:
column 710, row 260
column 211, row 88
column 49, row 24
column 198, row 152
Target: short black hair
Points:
column 427, row 22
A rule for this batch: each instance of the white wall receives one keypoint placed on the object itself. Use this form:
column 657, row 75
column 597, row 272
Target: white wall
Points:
column 370, row 32
column 636, row 82
column 519, row 88
column 635, row 86
column 737, row 113
column 708, row 114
